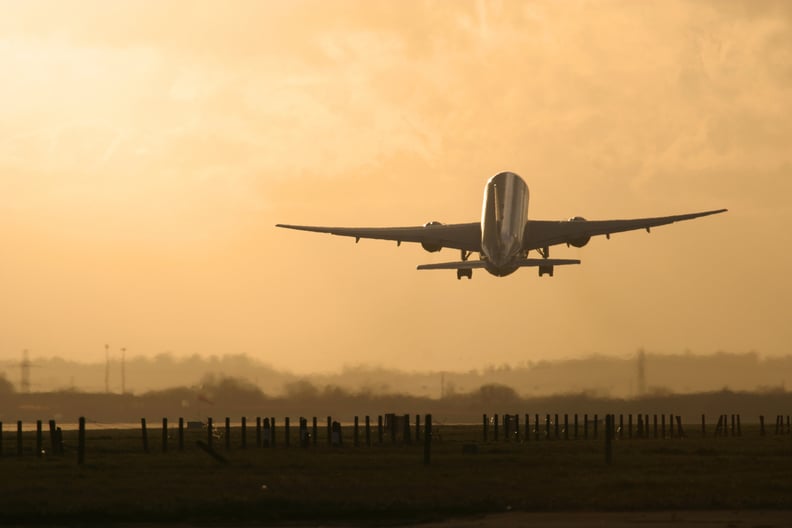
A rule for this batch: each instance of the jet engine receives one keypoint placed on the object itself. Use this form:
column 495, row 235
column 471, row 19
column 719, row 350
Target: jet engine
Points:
column 582, row 241
column 431, row 248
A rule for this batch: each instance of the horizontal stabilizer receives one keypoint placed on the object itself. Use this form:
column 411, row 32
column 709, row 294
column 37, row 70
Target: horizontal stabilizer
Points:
column 473, row 264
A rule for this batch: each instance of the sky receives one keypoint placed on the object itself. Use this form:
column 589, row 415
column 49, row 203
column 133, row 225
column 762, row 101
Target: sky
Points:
column 149, row 147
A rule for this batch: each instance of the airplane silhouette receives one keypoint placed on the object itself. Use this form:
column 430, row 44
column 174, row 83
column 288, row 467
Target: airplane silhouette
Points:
column 504, row 236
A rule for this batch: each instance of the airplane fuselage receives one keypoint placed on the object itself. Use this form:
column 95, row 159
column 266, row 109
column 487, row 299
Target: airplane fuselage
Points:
column 504, row 217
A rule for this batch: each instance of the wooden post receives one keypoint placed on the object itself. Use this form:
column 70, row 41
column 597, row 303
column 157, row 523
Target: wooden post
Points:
column 761, row 426
column 536, row 426
column 680, row 431
column 314, row 431
column 527, row 433
column 38, row 438
column 576, row 426
column 517, row 427
column 380, row 431
column 243, row 432
column 305, row 440
column 566, row 427
column 733, row 425
column 368, row 431
column 53, row 437
column 164, row 435
column 555, row 417
column 484, row 425
column 663, row 430
column 428, row 440
column 355, row 431
column 407, row 436
column 287, row 433
column 258, row 431
column 81, row 441
column 209, row 432
column 228, row 433
column 495, row 427
column 596, row 425
column 621, row 426
column 608, row 436
column 506, row 426
column 547, row 427
column 59, row 435
column 145, row 435
column 629, row 426
column 654, row 425
column 417, row 427
column 329, row 430
column 585, row 426
column 181, row 433
column 274, row 437
column 19, row 438
column 671, row 426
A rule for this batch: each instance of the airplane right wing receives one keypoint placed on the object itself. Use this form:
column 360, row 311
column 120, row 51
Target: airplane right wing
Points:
column 473, row 264
column 577, row 231
column 433, row 236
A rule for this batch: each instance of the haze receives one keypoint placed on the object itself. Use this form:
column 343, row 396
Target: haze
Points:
column 149, row 148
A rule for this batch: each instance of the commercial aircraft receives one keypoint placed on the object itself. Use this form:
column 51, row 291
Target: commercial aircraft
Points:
column 504, row 236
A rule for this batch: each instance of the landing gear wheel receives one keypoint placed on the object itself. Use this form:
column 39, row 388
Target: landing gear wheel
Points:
column 545, row 270
column 464, row 273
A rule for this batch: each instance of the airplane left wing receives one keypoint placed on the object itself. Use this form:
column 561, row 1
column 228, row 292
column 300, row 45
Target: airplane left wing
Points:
column 433, row 235
column 577, row 231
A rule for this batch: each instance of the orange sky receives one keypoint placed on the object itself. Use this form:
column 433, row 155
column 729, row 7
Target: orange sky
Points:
column 149, row 148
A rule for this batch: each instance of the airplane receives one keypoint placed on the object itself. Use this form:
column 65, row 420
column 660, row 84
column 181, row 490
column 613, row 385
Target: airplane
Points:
column 505, row 235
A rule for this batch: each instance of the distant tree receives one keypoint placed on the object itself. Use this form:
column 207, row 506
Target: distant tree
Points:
column 6, row 387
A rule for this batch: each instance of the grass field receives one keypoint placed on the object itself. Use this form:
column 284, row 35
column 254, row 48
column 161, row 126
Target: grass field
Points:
column 119, row 482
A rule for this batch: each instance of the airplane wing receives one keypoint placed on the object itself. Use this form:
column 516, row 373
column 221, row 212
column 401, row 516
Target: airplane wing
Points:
column 432, row 235
column 577, row 231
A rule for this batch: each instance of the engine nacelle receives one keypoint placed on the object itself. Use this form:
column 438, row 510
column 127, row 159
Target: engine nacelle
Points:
column 431, row 248
column 582, row 241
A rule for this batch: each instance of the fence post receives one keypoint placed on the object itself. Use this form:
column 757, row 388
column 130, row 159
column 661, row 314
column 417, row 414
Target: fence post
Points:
column 164, row 435
column 81, row 442
column 380, row 431
column 527, row 434
column 368, row 431
column 314, row 431
column 38, row 438
column 506, row 426
column 209, row 432
column 547, row 427
column 417, row 427
column 596, row 425
column 536, row 426
column 428, row 440
column 329, row 430
column 274, row 438
column 495, row 428
column 407, row 436
column 654, row 424
column 608, row 436
column 228, row 433
column 19, row 438
column 287, row 429
column 484, row 425
column 585, row 426
column 576, row 426
column 355, row 440
column 621, row 426
column 517, row 427
column 145, row 435
column 258, row 431
column 663, row 429
column 243, row 432
column 761, row 426
column 629, row 426
column 181, row 434
column 680, row 431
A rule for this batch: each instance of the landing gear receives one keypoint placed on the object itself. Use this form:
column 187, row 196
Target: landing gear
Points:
column 464, row 273
column 545, row 270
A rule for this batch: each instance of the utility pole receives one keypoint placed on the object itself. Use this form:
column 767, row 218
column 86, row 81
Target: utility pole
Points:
column 107, row 369
column 24, row 385
column 641, row 372
column 123, row 371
